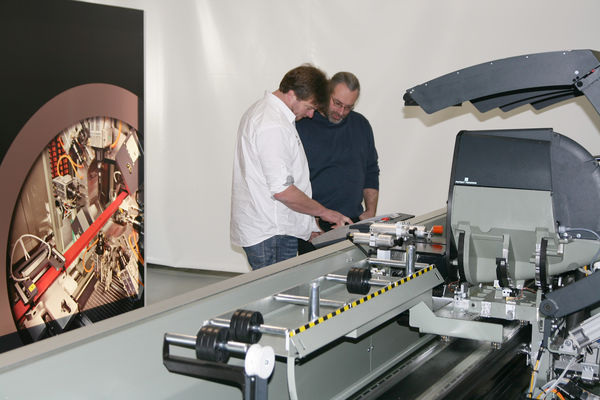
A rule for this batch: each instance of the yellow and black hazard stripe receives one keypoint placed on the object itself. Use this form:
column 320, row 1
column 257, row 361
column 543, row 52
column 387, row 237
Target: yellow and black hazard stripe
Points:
column 359, row 301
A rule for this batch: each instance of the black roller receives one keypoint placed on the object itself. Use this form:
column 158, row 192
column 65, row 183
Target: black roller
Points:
column 210, row 343
column 244, row 326
column 357, row 280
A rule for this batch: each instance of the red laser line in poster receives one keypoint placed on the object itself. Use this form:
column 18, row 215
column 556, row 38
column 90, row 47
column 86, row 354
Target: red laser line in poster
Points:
column 19, row 309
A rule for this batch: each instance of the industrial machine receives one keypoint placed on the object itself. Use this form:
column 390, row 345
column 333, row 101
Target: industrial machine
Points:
column 511, row 262
column 494, row 296
column 521, row 219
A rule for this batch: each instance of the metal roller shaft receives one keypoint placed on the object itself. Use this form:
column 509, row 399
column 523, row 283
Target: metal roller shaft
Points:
column 181, row 340
column 391, row 263
column 410, row 259
column 395, row 263
column 313, row 301
column 268, row 329
column 303, row 300
column 343, row 279
column 189, row 342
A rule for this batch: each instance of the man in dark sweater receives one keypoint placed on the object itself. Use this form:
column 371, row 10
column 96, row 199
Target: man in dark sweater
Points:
column 341, row 154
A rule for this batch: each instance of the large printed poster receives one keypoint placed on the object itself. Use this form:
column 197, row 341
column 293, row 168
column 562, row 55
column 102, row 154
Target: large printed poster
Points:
column 72, row 205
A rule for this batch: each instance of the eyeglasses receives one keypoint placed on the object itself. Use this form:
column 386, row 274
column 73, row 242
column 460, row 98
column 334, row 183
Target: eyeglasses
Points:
column 341, row 105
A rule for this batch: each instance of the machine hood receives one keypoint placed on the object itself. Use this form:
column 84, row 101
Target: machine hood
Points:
column 540, row 79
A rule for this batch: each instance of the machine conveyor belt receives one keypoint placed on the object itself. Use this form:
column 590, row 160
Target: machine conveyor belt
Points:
column 286, row 331
column 356, row 317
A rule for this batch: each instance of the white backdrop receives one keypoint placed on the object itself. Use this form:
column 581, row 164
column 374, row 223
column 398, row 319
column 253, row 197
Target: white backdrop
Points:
column 207, row 61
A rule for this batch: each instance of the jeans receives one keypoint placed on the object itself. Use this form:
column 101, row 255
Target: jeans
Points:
column 272, row 250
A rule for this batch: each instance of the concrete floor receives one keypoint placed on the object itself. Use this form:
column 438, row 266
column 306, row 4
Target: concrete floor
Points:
column 164, row 282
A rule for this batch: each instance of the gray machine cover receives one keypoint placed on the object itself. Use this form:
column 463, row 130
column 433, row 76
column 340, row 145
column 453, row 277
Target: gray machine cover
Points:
column 535, row 159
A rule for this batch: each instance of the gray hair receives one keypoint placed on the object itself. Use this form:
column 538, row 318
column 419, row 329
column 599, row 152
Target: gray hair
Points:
column 347, row 78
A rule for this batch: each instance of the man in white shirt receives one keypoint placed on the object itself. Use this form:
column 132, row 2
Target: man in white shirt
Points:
column 271, row 204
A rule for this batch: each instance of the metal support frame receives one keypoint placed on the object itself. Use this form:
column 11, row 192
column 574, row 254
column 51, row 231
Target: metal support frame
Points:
column 252, row 387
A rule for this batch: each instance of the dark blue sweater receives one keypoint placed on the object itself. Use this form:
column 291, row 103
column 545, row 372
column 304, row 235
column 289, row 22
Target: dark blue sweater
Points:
column 342, row 159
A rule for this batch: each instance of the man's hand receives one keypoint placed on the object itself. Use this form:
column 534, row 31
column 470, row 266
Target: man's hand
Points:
column 314, row 235
column 294, row 198
column 366, row 215
column 335, row 218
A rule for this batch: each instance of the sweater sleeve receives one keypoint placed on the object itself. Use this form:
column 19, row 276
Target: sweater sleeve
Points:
column 372, row 167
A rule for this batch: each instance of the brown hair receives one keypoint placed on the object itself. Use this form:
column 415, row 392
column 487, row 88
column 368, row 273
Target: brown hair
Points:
column 307, row 82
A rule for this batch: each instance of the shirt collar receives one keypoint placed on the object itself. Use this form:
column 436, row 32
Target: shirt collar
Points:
column 276, row 101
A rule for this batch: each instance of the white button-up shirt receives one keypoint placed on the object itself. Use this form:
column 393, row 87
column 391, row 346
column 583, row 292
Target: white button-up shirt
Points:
column 268, row 158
